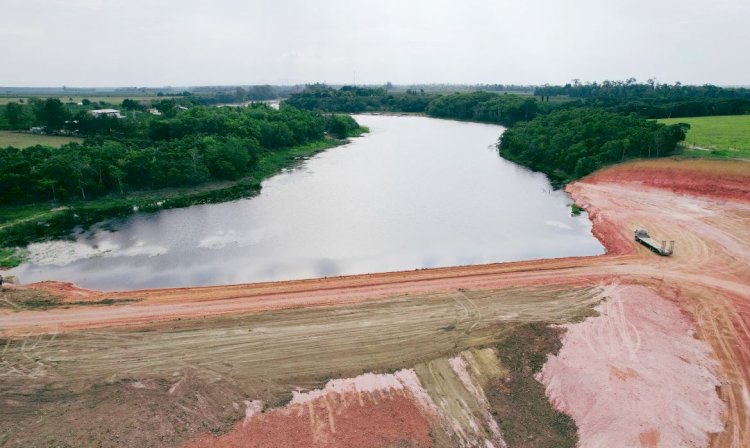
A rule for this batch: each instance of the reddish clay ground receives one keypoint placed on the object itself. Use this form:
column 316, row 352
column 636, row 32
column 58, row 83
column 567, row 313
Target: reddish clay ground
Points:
column 381, row 415
column 703, row 205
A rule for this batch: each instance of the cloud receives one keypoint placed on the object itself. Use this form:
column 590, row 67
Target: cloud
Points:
column 191, row 42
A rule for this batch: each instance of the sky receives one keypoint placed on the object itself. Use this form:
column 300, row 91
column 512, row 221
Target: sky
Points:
column 156, row 43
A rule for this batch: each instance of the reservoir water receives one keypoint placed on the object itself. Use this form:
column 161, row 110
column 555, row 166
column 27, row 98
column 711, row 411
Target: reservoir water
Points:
column 414, row 193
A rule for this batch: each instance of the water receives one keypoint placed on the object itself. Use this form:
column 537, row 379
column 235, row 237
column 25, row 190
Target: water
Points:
column 414, row 193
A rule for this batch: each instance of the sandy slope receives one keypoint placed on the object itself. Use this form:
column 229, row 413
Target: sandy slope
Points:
column 667, row 363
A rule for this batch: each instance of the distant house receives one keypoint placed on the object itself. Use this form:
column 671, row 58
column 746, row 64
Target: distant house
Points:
column 181, row 108
column 154, row 111
column 37, row 130
column 106, row 112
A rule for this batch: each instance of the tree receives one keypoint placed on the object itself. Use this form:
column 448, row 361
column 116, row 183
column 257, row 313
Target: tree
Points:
column 239, row 94
column 51, row 113
column 570, row 143
column 340, row 126
column 199, row 145
column 15, row 115
column 129, row 104
column 166, row 107
column 119, row 176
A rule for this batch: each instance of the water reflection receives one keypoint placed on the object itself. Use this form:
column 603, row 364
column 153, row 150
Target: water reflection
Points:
column 414, row 193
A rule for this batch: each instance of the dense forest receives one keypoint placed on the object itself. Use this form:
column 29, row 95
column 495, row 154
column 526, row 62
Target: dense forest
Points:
column 653, row 100
column 570, row 143
column 476, row 106
column 504, row 109
column 650, row 100
column 176, row 149
column 353, row 99
column 630, row 89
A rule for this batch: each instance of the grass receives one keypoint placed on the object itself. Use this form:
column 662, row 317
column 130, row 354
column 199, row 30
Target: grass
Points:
column 358, row 132
column 717, row 137
column 10, row 257
column 24, row 140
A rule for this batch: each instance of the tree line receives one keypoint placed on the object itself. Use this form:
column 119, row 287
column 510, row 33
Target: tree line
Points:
column 570, row 143
column 352, row 99
column 653, row 100
column 606, row 123
column 149, row 152
column 631, row 89
column 505, row 109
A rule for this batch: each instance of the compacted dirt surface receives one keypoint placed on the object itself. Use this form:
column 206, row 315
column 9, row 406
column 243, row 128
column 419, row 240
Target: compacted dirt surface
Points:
column 624, row 349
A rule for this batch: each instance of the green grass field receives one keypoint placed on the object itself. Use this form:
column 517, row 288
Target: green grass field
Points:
column 22, row 140
column 722, row 136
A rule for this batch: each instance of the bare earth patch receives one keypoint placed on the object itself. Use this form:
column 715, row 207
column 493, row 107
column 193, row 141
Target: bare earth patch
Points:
column 636, row 375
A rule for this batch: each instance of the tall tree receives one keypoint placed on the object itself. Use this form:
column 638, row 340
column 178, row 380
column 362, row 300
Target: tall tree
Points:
column 51, row 113
column 15, row 115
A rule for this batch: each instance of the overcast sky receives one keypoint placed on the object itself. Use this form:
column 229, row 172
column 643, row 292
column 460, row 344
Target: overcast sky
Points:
column 214, row 42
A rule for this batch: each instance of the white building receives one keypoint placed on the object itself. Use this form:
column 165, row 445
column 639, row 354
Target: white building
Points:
column 106, row 112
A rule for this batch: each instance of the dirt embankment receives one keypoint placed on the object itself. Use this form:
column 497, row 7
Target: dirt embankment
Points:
column 704, row 206
column 671, row 345
column 636, row 375
column 709, row 178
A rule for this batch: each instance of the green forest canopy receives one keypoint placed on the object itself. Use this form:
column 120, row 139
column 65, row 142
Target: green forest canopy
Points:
column 149, row 152
column 571, row 143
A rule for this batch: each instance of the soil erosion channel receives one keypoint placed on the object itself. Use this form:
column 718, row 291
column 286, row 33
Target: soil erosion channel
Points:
column 623, row 349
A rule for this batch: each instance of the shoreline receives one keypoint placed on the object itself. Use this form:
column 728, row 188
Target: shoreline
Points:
column 323, row 329
column 61, row 221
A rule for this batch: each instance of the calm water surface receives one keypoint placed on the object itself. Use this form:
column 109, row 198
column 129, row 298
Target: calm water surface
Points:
column 414, row 193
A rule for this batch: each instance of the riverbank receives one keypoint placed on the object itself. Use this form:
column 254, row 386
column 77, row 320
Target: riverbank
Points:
column 342, row 213
column 25, row 224
column 405, row 345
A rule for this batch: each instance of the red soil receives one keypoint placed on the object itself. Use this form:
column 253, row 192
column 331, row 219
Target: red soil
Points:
column 67, row 291
column 350, row 419
column 716, row 179
column 703, row 205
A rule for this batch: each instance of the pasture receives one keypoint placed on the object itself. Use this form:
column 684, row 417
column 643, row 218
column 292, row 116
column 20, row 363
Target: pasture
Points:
column 718, row 136
column 24, row 140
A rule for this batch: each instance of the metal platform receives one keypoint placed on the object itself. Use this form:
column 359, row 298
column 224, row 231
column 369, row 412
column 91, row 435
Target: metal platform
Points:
column 657, row 247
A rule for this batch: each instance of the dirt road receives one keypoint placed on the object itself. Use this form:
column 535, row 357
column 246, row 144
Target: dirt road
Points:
column 678, row 325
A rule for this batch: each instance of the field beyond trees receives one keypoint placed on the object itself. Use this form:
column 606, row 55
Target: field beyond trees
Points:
column 24, row 140
column 727, row 136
